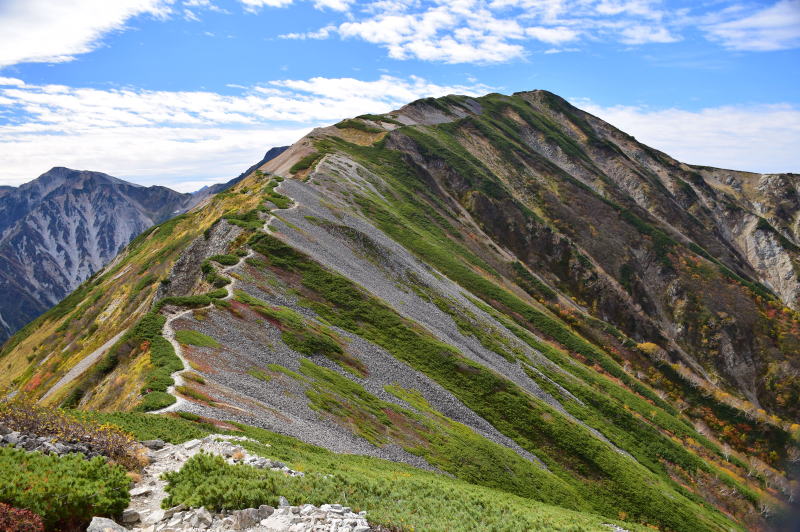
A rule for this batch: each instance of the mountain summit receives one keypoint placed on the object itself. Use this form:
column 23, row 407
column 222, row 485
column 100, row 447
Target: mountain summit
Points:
column 505, row 289
column 63, row 226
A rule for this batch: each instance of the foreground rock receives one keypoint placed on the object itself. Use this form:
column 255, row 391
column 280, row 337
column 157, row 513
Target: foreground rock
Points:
column 44, row 444
column 102, row 524
column 306, row 518
column 144, row 514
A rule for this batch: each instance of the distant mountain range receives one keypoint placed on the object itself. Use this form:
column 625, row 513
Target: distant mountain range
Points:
column 63, row 226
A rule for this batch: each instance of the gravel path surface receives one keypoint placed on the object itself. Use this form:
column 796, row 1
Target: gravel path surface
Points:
column 249, row 342
column 169, row 334
column 82, row 366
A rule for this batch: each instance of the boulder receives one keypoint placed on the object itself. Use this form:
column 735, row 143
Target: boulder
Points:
column 12, row 438
column 154, row 444
column 103, row 524
column 265, row 511
column 130, row 516
column 244, row 519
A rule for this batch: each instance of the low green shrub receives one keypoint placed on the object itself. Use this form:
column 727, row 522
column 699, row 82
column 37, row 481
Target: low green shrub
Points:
column 149, row 426
column 397, row 497
column 194, row 394
column 67, row 491
column 156, row 401
column 191, row 337
column 246, row 220
column 357, row 124
column 306, row 162
column 192, row 376
column 193, row 301
column 165, row 362
column 259, row 374
column 226, row 260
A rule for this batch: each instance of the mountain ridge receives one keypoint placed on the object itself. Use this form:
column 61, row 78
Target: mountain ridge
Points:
column 483, row 286
column 52, row 232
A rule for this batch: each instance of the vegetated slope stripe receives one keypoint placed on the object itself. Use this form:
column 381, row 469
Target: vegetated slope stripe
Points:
column 82, row 365
column 169, row 334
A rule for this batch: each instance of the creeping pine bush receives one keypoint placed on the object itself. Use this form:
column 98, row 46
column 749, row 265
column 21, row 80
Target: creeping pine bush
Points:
column 25, row 416
column 192, row 337
column 19, row 520
column 150, row 427
column 65, row 490
column 207, row 480
column 227, row 260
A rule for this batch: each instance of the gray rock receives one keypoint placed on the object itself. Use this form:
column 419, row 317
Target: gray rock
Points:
column 102, row 524
column 265, row 511
column 61, row 448
column 172, row 511
column 191, row 444
column 155, row 516
column 130, row 516
column 154, row 444
column 244, row 519
column 12, row 438
column 201, row 518
column 49, row 448
column 140, row 491
column 307, row 509
column 282, row 502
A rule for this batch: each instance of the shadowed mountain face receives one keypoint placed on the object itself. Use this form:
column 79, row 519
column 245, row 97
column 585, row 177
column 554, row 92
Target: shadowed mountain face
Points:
column 62, row 227
column 505, row 289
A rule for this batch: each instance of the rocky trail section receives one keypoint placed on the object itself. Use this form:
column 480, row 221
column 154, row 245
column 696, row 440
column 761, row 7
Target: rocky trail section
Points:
column 145, row 514
column 295, row 417
column 169, row 333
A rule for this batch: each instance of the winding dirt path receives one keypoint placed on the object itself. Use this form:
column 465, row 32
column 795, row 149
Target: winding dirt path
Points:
column 169, row 331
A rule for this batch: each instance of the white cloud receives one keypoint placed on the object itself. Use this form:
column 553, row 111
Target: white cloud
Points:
column 11, row 81
column 762, row 138
column 169, row 138
column 556, row 35
column 336, row 5
column 774, row 28
column 495, row 31
column 57, row 31
column 322, row 33
column 639, row 34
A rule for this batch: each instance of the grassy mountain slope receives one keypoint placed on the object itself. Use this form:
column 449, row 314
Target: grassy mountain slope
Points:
column 504, row 289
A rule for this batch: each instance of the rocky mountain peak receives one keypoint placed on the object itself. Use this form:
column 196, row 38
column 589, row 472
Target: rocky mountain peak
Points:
column 502, row 288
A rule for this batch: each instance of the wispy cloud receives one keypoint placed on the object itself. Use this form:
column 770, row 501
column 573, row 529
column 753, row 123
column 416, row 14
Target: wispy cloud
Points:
column 495, row 31
column 175, row 137
column 759, row 138
column 773, row 28
column 448, row 31
column 54, row 31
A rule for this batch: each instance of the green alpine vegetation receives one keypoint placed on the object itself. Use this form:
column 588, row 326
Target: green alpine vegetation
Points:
column 546, row 324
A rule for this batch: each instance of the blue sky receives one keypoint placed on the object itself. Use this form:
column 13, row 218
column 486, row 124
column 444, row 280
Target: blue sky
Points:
column 188, row 92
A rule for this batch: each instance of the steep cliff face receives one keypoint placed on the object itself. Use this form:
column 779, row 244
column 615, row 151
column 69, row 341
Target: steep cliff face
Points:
column 60, row 228
column 504, row 289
